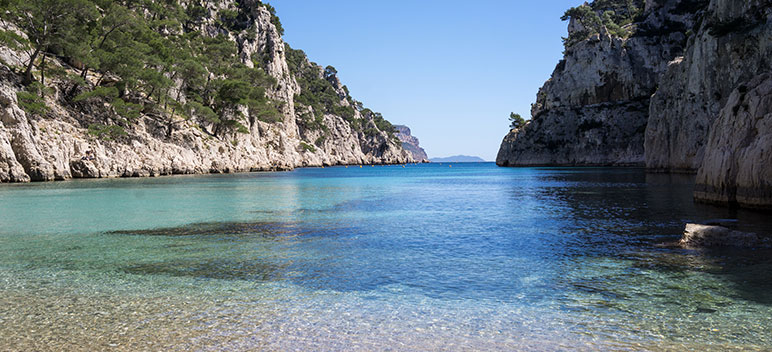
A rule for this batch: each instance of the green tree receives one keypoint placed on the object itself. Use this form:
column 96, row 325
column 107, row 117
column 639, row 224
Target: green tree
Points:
column 516, row 121
column 330, row 72
column 149, row 58
column 611, row 15
column 274, row 18
column 50, row 25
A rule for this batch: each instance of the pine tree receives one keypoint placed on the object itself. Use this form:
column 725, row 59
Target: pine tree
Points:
column 51, row 26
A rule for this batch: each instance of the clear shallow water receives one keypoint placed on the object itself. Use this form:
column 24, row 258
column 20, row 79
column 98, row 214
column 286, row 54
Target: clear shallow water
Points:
column 386, row 258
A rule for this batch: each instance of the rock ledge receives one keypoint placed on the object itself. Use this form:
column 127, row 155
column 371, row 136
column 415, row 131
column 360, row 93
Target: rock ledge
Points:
column 713, row 236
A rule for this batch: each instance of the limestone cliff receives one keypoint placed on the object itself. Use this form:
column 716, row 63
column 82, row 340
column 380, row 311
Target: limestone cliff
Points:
column 687, row 91
column 711, row 113
column 411, row 143
column 594, row 108
column 732, row 45
column 61, row 143
column 737, row 163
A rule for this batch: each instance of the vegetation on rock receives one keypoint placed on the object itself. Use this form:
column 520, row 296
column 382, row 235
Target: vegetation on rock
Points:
column 171, row 61
column 602, row 16
column 141, row 57
column 319, row 93
column 516, row 121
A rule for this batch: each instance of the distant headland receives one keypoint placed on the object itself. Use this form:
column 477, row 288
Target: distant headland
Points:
column 458, row 159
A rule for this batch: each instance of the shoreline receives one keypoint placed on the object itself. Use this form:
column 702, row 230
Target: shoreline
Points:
column 288, row 169
column 279, row 168
column 143, row 175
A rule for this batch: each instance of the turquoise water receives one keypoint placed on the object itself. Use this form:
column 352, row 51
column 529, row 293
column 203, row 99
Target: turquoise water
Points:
column 425, row 257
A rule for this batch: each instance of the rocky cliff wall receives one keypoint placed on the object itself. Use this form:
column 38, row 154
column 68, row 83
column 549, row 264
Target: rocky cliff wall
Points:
column 711, row 112
column 57, row 145
column 701, row 88
column 594, row 108
column 732, row 45
column 737, row 164
column 411, row 143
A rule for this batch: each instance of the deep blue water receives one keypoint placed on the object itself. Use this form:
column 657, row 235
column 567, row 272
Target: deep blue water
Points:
column 440, row 256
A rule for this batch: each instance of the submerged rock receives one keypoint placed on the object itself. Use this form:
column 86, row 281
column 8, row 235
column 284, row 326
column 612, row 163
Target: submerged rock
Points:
column 712, row 236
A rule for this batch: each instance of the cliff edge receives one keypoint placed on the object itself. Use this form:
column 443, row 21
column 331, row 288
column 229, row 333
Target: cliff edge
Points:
column 178, row 88
column 675, row 85
column 411, row 143
column 594, row 108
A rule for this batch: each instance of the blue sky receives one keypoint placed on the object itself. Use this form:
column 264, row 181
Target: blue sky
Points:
column 451, row 70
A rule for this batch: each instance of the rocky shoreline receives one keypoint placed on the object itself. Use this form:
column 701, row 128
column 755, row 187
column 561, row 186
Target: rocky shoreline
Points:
column 84, row 139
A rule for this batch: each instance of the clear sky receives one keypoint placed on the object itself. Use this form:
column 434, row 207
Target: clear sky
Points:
column 450, row 70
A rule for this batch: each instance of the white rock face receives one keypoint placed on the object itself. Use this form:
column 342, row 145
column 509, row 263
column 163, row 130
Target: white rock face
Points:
column 737, row 166
column 706, row 62
column 594, row 108
column 733, row 45
column 17, row 145
column 411, row 143
column 54, row 147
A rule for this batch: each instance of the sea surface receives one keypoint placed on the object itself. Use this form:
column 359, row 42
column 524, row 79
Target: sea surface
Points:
column 420, row 257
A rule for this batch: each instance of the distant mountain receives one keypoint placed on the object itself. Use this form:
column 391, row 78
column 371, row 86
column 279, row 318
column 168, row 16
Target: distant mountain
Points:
column 458, row 159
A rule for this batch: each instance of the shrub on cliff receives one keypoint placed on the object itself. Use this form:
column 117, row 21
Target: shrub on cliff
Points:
column 307, row 147
column 318, row 93
column 610, row 16
column 106, row 132
column 274, row 19
column 150, row 58
column 31, row 103
column 516, row 121
column 142, row 57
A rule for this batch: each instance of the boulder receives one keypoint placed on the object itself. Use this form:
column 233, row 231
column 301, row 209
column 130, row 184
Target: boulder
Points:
column 712, row 236
column 83, row 169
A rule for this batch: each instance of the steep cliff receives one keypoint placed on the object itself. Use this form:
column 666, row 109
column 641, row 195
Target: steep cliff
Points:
column 737, row 163
column 96, row 127
column 411, row 143
column 594, row 108
column 732, row 45
column 693, row 99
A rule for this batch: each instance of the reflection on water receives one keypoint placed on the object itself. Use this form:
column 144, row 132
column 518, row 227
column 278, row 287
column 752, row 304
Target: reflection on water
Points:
column 417, row 258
